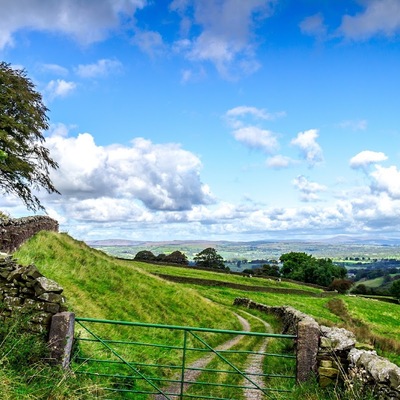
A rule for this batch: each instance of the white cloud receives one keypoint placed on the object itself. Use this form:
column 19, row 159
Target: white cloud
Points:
column 236, row 114
column 365, row 158
column 250, row 135
column 309, row 148
column 227, row 30
column 256, row 138
column 59, row 88
column 387, row 180
column 314, row 26
column 279, row 161
column 85, row 21
column 102, row 67
column 380, row 17
column 308, row 189
column 54, row 69
column 150, row 42
column 161, row 177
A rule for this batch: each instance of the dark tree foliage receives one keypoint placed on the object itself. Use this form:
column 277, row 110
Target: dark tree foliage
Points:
column 270, row 270
column 395, row 289
column 306, row 268
column 145, row 255
column 209, row 258
column 264, row 270
column 24, row 161
column 360, row 289
column 341, row 285
column 176, row 257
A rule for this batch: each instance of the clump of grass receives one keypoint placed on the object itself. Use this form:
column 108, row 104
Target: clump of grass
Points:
column 25, row 372
column 384, row 345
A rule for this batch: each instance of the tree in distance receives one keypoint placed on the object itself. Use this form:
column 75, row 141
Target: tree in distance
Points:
column 341, row 285
column 145, row 255
column 176, row 257
column 209, row 258
column 395, row 289
column 306, row 268
column 24, row 162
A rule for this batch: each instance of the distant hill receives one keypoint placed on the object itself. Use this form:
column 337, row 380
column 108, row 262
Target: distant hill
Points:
column 337, row 248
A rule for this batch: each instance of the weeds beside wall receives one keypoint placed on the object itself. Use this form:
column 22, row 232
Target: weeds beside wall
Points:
column 14, row 232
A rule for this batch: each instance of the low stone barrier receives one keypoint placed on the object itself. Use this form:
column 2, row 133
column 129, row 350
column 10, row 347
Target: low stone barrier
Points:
column 25, row 291
column 331, row 354
column 14, row 232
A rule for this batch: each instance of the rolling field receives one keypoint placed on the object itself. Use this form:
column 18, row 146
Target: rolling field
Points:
column 99, row 286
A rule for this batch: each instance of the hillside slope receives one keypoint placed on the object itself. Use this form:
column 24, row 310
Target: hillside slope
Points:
column 98, row 286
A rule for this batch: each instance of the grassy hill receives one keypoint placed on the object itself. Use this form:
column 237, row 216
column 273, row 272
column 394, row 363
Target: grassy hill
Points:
column 99, row 286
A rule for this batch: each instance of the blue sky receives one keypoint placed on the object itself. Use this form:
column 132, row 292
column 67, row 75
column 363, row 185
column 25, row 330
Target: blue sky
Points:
column 215, row 119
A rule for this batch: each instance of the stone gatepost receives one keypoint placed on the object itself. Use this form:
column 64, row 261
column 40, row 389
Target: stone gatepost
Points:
column 61, row 338
column 307, row 349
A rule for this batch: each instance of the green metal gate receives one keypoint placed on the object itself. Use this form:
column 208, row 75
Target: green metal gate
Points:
column 150, row 361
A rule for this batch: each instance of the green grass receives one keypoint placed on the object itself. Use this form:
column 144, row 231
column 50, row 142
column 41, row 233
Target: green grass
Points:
column 372, row 283
column 99, row 286
column 195, row 273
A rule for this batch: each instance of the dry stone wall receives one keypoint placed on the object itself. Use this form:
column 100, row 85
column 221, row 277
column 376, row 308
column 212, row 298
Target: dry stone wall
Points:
column 337, row 359
column 26, row 293
column 14, row 232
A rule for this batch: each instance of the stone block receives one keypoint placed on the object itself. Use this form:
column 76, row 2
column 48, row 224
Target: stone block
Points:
column 326, row 363
column 11, row 302
column 307, row 349
column 61, row 338
column 44, row 285
column 341, row 339
column 52, row 308
column 42, row 318
column 52, row 298
column 324, row 381
column 27, row 291
column 11, row 291
column 328, row 372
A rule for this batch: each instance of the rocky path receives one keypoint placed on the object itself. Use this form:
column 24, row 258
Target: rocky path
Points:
column 191, row 375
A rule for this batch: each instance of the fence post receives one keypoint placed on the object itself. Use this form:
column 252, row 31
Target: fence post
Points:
column 307, row 349
column 61, row 338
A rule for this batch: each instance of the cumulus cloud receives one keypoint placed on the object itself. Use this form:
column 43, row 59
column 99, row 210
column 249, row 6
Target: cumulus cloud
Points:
column 310, row 150
column 248, row 134
column 226, row 33
column 387, row 180
column 59, row 88
column 380, row 17
column 256, row 138
column 365, row 158
column 102, row 67
column 308, row 190
column 85, row 21
column 161, row 177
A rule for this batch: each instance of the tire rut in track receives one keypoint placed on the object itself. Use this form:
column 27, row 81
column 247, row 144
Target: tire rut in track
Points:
column 254, row 366
column 191, row 375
